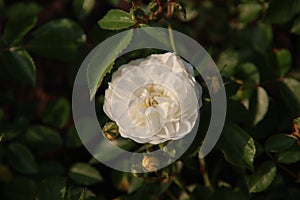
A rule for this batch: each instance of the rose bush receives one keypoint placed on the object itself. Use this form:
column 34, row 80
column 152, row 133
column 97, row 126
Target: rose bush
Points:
column 155, row 99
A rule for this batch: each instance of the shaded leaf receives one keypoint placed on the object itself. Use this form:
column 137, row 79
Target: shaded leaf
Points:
column 279, row 143
column 81, row 193
column 280, row 62
column 58, row 39
column 290, row 156
column 290, row 90
column 226, row 194
column 21, row 159
column 52, row 188
column 20, row 188
column 282, row 11
column 84, row 174
column 262, row 37
column 260, row 180
column 296, row 26
column 237, row 146
column 249, row 11
column 116, row 19
column 21, row 18
column 19, row 65
column 249, row 76
column 227, row 62
column 102, row 63
column 43, row 138
column 57, row 113
column 83, row 8
column 72, row 138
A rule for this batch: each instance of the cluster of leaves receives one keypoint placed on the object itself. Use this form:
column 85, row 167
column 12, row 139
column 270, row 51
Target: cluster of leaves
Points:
column 255, row 44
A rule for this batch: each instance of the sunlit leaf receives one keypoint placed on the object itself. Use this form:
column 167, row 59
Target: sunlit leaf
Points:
column 102, row 63
column 261, row 105
column 116, row 19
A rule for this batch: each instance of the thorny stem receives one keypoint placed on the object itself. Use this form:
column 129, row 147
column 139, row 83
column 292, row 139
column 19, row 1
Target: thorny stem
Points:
column 171, row 38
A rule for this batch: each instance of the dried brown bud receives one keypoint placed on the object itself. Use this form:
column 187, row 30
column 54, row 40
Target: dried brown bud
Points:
column 150, row 163
column 111, row 130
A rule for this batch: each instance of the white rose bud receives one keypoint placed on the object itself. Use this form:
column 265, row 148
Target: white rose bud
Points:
column 154, row 100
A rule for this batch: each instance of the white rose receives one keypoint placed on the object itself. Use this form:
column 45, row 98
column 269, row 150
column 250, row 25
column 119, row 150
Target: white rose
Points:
column 154, row 100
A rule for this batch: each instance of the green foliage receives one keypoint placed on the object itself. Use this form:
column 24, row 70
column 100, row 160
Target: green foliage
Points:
column 237, row 146
column 21, row 159
column 84, row 174
column 255, row 45
column 58, row 39
column 116, row 19
column 96, row 74
column 260, row 180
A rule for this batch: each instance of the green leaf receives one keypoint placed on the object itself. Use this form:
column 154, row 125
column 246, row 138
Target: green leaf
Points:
column 296, row 26
column 21, row 159
column 116, row 19
column 21, row 18
column 290, row 156
column 262, row 37
column 43, row 138
column 227, row 62
column 83, row 8
column 237, row 146
column 52, row 188
column 72, row 139
column 282, row 11
column 261, row 105
column 84, row 174
column 248, row 74
column 20, row 188
column 58, row 39
column 260, row 180
column 249, row 11
column 81, row 193
column 279, row 143
column 102, row 63
column 57, row 113
column 280, row 62
column 290, row 90
column 297, row 122
column 19, row 65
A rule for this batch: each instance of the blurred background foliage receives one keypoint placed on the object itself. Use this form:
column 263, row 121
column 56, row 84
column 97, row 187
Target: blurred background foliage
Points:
column 256, row 46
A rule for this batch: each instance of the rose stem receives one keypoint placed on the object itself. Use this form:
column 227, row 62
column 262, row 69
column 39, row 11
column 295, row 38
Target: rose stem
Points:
column 204, row 172
column 171, row 38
